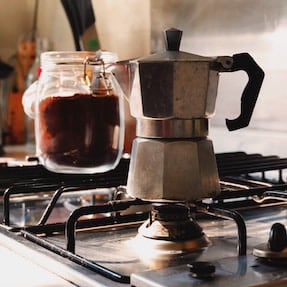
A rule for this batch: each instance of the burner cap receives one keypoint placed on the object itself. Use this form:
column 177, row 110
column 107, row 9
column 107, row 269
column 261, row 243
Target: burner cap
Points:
column 264, row 251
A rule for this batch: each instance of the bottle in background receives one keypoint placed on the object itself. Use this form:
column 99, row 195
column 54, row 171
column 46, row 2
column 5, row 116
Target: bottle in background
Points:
column 42, row 45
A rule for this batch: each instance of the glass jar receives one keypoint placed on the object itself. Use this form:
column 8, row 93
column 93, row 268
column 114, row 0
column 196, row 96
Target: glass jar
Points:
column 77, row 107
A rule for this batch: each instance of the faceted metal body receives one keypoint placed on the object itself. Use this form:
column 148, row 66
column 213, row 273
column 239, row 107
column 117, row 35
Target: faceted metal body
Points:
column 180, row 170
column 183, row 90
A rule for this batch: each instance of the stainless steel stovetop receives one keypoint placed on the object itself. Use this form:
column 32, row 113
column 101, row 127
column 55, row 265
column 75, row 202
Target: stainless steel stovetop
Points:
column 84, row 229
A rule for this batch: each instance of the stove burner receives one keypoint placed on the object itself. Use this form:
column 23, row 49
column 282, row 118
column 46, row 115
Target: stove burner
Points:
column 275, row 251
column 276, row 258
column 171, row 222
column 277, row 237
column 170, row 231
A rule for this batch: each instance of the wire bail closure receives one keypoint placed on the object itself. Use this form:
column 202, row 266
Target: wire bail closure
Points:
column 97, row 81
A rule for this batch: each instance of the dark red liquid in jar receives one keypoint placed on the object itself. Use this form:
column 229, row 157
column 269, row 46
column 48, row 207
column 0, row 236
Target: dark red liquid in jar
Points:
column 79, row 130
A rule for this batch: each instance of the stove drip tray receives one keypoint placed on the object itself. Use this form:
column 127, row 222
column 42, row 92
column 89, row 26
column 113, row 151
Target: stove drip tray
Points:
column 169, row 231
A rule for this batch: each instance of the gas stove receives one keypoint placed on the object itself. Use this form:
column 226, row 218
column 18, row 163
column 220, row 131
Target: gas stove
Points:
column 88, row 231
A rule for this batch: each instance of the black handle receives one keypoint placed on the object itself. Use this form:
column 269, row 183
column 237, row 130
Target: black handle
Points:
column 244, row 62
column 80, row 16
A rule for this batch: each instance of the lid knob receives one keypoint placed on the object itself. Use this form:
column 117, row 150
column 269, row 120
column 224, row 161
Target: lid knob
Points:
column 172, row 39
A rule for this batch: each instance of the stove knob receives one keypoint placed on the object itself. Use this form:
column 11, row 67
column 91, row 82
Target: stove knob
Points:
column 201, row 269
column 277, row 237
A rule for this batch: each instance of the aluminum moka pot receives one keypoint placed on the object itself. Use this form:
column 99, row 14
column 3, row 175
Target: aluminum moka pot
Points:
column 172, row 99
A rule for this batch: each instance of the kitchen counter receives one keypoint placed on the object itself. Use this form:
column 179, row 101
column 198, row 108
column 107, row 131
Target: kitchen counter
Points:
column 20, row 271
column 17, row 270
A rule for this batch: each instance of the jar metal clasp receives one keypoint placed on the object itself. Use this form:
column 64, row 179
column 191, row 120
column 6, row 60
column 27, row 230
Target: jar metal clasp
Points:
column 98, row 81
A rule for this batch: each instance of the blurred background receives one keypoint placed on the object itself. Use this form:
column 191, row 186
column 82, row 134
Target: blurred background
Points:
column 133, row 28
